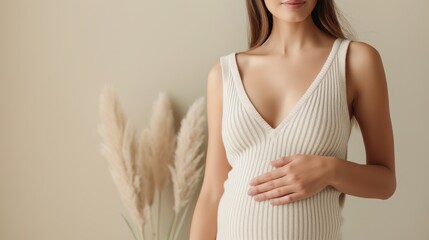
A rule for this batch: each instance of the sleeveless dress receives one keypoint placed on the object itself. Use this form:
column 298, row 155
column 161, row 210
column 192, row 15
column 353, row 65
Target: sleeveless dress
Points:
column 318, row 124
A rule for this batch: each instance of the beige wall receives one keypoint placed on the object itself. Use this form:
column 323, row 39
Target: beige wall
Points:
column 56, row 55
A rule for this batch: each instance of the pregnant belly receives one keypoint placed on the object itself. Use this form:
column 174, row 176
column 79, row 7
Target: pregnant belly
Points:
column 240, row 217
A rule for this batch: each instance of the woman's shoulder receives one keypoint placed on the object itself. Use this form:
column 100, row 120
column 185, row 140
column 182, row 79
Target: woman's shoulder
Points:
column 364, row 68
column 362, row 53
column 362, row 57
column 218, row 67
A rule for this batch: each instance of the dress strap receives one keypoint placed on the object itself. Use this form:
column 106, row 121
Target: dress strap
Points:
column 224, row 63
column 342, row 53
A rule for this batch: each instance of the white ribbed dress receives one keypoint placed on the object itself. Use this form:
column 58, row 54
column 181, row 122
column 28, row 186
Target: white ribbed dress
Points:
column 318, row 124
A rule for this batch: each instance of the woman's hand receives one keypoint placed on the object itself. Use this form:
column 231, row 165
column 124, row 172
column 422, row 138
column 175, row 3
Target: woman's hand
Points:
column 295, row 177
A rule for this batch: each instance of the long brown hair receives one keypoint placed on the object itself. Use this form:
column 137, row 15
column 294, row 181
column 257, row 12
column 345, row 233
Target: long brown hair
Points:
column 325, row 15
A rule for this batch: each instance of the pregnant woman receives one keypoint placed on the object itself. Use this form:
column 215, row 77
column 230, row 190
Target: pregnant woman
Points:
column 279, row 119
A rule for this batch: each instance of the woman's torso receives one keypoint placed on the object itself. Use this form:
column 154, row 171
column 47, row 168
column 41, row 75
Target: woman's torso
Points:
column 318, row 124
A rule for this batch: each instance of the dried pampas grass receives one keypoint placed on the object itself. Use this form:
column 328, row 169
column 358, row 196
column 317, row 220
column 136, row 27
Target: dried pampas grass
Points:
column 119, row 148
column 162, row 139
column 143, row 167
column 161, row 142
column 186, row 173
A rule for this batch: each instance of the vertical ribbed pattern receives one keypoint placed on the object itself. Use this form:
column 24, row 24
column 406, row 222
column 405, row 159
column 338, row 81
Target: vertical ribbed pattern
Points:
column 318, row 124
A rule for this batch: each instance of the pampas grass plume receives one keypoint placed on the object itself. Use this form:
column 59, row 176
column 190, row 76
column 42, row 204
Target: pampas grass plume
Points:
column 162, row 138
column 144, row 168
column 120, row 149
column 186, row 173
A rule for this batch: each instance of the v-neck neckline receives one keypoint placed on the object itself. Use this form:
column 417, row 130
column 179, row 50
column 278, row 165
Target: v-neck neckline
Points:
column 294, row 110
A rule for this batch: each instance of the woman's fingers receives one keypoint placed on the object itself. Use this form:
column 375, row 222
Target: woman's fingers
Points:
column 287, row 199
column 274, row 193
column 271, row 175
column 266, row 186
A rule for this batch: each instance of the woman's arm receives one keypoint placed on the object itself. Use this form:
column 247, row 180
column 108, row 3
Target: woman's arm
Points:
column 204, row 221
column 377, row 178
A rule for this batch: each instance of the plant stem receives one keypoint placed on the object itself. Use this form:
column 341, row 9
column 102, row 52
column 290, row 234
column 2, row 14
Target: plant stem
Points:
column 151, row 220
column 183, row 215
column 182, row 218
column 142, row 233
column 173, row 228
column 129, row 226
column 159, row 212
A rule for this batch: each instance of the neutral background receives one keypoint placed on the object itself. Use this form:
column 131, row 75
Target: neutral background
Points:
column 55, row 56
